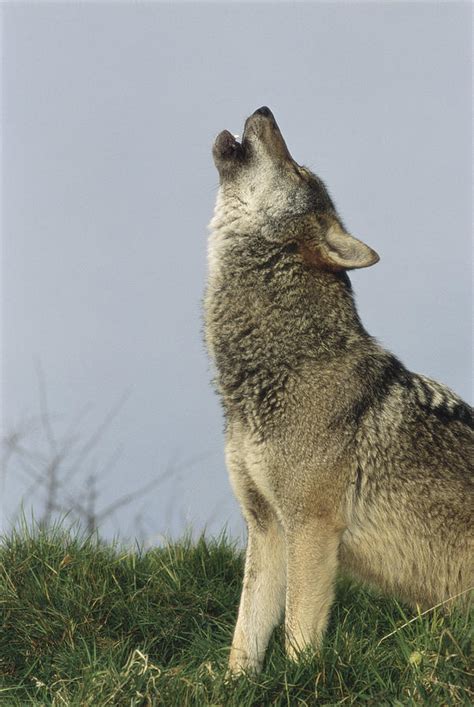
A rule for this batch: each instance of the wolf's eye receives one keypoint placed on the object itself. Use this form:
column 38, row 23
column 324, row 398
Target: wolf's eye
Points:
column 298, row 172
column 301, row 172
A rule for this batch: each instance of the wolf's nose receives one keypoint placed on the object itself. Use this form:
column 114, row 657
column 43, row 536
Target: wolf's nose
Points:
column 264, row 111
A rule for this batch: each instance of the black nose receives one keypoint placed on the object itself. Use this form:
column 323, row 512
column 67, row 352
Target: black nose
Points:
column 264, row 111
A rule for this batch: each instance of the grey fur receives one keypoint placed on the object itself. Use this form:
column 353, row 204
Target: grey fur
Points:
column 340, row 457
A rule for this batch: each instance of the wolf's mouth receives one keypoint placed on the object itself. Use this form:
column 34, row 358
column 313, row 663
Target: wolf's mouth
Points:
column 227, row 146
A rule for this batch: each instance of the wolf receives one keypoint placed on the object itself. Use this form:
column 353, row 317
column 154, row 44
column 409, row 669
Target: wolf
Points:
column 340, row 457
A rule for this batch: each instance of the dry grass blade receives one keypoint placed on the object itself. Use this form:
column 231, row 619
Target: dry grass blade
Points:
column 423, row 613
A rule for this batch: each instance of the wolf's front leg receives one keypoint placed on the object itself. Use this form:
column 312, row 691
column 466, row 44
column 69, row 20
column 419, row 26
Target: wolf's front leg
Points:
column 263, row 596
column 312, row 566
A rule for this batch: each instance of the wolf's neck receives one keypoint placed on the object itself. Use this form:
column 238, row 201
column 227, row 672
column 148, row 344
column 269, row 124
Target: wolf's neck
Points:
column 267, row 316
column 283, row 298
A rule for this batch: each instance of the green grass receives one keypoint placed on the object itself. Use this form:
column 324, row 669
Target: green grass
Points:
column 84, row 623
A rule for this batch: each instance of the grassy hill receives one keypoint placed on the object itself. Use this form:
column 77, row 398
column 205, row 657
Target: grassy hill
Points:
column 84, row 623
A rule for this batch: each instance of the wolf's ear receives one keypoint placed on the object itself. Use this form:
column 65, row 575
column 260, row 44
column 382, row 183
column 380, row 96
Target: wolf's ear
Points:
column 341, row 251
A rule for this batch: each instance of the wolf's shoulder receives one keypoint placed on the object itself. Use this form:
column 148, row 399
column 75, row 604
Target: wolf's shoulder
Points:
column 389, row 388
column 439, row 400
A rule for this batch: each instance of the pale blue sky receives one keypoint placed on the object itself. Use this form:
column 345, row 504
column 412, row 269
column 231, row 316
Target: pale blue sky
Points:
column 108, row 115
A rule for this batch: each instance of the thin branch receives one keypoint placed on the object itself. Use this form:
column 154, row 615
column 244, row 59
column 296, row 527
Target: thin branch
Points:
column 30, row 471
column 129, row 497
column 96, row 436
column 22, row 451
column 52, row 483
column 31, row 489
column 76, row 420
column 112, row 461
column 73, row 504
column 44, row 409
column 51, row 472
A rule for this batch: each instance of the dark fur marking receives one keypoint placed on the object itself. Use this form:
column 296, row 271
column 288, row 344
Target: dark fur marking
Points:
column 377, row 389
column 460, row 413
column 448, row 410
column 358, row 483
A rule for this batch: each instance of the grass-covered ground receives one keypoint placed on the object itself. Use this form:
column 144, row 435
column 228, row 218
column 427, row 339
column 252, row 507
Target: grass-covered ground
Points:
column 87, row 624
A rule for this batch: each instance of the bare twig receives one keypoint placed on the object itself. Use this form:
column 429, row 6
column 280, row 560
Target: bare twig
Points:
column 53, row 483
column 44, row 409
column 51, row 468
column 95, row 438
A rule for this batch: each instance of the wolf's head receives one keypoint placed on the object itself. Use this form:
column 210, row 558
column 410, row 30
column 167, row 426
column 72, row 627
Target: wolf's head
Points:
column 264, row 192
